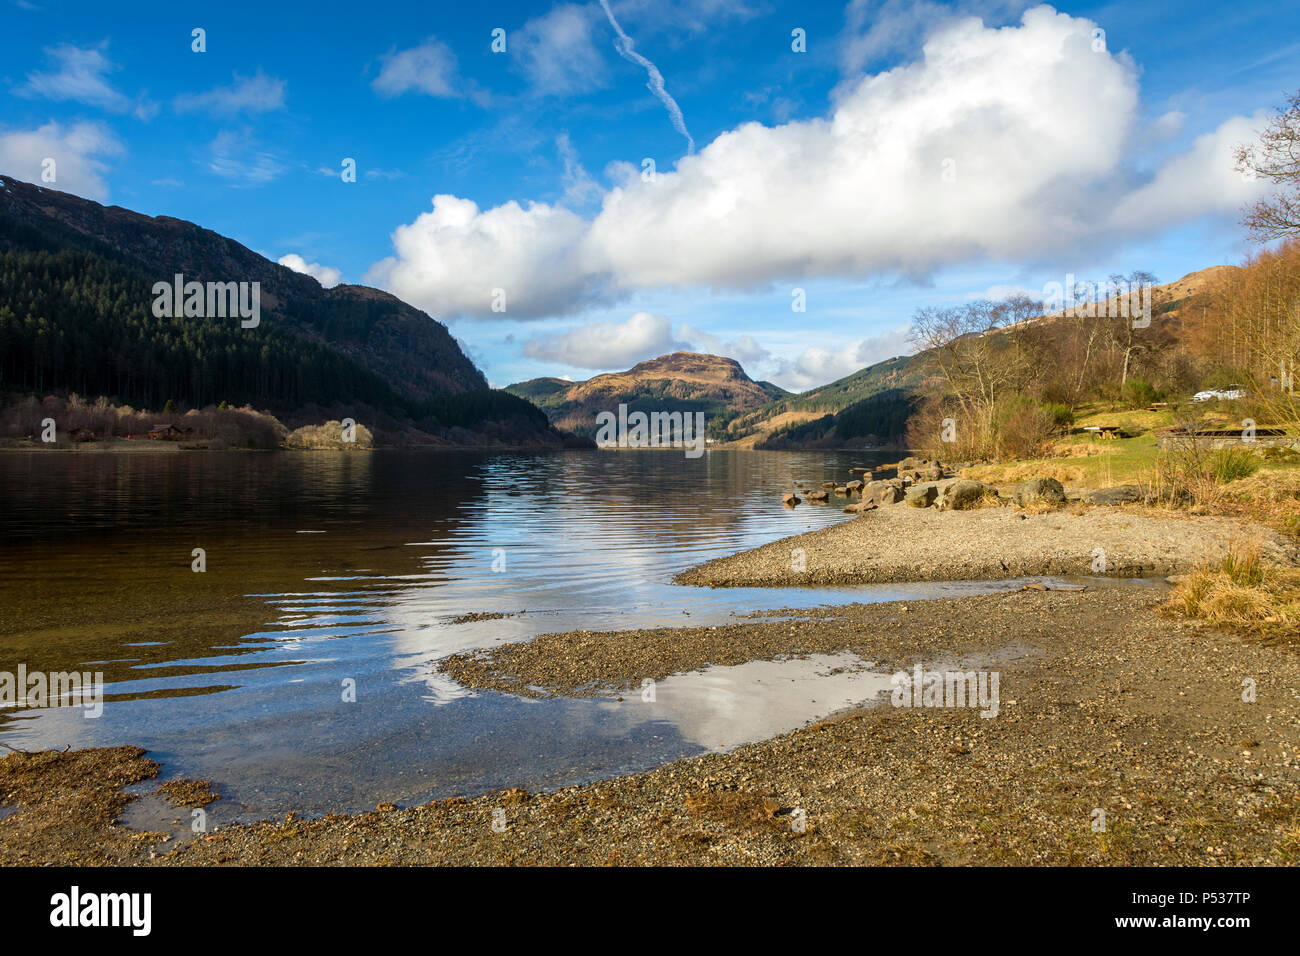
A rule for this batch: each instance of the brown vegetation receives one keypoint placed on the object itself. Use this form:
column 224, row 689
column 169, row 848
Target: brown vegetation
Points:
column 1243, row 592
column 1246, row 325
column 216, row 426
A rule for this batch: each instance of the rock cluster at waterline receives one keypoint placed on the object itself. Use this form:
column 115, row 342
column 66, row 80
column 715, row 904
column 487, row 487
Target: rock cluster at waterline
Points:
column 929, row 484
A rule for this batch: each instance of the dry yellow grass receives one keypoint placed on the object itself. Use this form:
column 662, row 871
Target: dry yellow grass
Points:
column 1132, row 420
column 1242, row 593
column 1082, row 448
column 330, row 436
column 1018, row 471
column 1271, row 496
column 770, row 425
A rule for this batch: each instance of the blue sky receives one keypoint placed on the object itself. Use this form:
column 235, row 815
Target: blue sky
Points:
column 912, row 154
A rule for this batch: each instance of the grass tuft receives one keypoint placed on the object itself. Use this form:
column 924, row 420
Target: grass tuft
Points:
column 1242, row 593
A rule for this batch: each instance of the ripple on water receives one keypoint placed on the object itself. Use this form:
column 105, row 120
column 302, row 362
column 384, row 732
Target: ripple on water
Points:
column 296, row 671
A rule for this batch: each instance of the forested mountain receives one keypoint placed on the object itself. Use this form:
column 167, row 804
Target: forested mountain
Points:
column 76, row 314
column 872, row 404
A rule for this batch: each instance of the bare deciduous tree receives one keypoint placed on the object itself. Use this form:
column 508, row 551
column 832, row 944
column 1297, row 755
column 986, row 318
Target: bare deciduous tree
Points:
column 983, row 352
column 1276, row 158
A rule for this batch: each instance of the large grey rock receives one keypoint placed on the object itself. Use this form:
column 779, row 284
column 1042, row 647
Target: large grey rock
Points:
column 1046, row 491
column 1119, row 495
column 887, row 495
column 962, row 495
column 922, row 495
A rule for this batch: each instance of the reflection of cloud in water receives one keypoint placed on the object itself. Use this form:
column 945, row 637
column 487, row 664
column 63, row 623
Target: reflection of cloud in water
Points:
column 723, row 707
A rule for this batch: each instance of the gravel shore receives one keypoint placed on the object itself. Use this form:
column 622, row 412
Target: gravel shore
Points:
column 1107, row 705
column 900, row 543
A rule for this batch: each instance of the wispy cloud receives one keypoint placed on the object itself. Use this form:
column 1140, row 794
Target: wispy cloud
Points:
column 656, row 84
column 430, row 68
column 80, row 75
column 579, row 188
column 254, row 94
column 236, row 157
column 875, row 30
column 557, row 54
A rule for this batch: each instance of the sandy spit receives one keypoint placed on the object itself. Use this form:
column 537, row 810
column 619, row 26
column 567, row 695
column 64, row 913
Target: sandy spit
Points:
column 898, row 543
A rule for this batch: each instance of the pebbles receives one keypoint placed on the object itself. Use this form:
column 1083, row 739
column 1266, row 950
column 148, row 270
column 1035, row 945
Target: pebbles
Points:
column 1106, row 705
column 921, row 544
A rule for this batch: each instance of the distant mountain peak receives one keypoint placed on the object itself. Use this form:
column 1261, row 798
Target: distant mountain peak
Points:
column 688, row 364
column 679, row 381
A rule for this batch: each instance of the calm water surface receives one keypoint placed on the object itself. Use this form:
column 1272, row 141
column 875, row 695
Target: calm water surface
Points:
column 327, row 568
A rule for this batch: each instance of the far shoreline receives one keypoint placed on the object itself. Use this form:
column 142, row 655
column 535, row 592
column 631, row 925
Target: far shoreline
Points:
column 133, row 446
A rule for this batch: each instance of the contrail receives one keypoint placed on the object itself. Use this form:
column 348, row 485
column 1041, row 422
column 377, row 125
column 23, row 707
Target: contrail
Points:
column 656, row 84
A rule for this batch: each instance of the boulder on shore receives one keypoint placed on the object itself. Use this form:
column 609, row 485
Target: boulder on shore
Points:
column 1046, row 491
column 853, row 485
column 962, row 495
column 818, row 495
column 1119, row 495
column 887, row 494
column 922, row 495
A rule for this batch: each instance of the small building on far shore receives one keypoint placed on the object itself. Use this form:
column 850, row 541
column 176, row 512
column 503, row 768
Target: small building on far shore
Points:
column 169, row 433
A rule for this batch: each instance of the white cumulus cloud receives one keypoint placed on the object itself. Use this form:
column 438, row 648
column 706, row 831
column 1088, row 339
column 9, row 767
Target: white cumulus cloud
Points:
column 816, row 365
column 78, row 152
column 996, row 144
column 451, row 261
column 602, row 345
column 744, row 348
column 325, row 275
